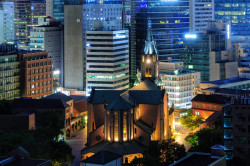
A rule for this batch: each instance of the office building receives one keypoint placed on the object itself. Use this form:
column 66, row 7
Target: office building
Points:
column 36, row 74
column 49, row 37
column 7, row 22
column 38, row 10
column 22, row 19
column 244, row 72
column 200, row 13
column 49, row 8
column 237, row 13
column 73, row 53
column 209, row 53
column 178, row 83
column 9, row 74
column 58, row 10
column 100, row 16
column 170, row 21
column 236, row 128
column 107, row 60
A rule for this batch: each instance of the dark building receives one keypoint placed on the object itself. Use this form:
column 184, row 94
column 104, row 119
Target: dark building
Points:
column 237, row 128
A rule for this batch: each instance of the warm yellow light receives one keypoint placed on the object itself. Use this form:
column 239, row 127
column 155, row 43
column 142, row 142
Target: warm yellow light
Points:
column 124, row 139
column 148, row 61
column 109, row 138
column 86, row 118
column 124, row 131
column 116, row 139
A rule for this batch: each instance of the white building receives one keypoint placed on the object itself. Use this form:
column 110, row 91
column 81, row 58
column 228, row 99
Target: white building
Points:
column 200, row 12
column 7, row 22
column 49, row 8
column 107, row 59
column 49, row 37
column 178, row 83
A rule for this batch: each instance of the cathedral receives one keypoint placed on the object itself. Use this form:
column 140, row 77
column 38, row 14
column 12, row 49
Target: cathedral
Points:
column 124, row 122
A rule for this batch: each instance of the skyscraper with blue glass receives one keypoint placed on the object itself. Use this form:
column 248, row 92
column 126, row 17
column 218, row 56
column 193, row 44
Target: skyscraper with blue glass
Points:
column 170, row 21
column 58, row 10
column 236, row 12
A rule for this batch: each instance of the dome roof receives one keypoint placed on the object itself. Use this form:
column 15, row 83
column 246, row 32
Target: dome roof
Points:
column 150, row 45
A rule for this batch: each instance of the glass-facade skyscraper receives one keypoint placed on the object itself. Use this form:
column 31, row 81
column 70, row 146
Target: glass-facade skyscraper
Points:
column 58, row 10
column 170, row 21
column 236, row 12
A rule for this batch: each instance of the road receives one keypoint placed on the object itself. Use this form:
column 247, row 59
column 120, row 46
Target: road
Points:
column 77, row 143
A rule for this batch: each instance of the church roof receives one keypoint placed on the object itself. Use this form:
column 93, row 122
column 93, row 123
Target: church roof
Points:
column 144, row 93
column 150, row 45
column 125, row 148
column 102, row 157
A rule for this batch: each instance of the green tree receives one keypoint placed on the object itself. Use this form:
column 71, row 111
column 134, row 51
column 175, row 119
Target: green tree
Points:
column 171, row 151
column 190, row 121
column 49, row 125
column 203, row 139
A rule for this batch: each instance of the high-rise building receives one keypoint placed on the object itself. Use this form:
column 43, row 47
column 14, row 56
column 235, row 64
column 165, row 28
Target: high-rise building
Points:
column 98, row 15
column 107, row 60
column 36, row 74
column 235, row 12
column 49, row 37
column 236, row 126
column 7, row 22
column 58, row 10
column 38, row 10
column 178, row 83
column 209, row 53
column 22, row 19
column 9, row 73
column 170, row 21
column 74, row 69
column 200, row 12
column 49, row 8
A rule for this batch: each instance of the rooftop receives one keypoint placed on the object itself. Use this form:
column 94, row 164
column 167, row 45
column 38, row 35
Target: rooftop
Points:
column 227, row 81
column 195, row 159
column 102, row 157
column 215, row 99
column 116, row 147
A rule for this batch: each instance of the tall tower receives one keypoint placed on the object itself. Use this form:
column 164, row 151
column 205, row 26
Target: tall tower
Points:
column 149, row 64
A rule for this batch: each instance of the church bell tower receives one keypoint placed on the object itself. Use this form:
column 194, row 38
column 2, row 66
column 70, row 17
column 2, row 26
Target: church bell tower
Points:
column 149, row 63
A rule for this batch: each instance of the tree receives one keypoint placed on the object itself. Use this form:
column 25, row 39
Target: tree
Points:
column 49, row 125
column 190, row 121
column 203, row 139
column 171, row 151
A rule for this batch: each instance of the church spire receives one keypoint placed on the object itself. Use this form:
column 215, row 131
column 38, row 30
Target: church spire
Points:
column 149, row 56
column 150, row 45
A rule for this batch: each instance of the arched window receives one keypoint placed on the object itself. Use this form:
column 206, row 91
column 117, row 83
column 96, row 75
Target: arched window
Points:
column 150, row 72
column 116, row 126
column 126, row 160
column 124, row 126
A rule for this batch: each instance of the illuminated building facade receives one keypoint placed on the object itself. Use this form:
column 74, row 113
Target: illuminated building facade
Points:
column 22, row 19
column 236, row 12
column 58, row 10
column 178, row 83
column 125, row 122
column 49, row 37
column 200, row 12
column 107, row 60
column 99, row 16
column 209, row 53
column 7, row 30
column 38, row 10
column 170, row 21
column 9, row 74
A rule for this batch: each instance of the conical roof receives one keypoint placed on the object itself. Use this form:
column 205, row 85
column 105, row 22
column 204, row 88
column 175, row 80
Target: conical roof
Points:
column 150, row 45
